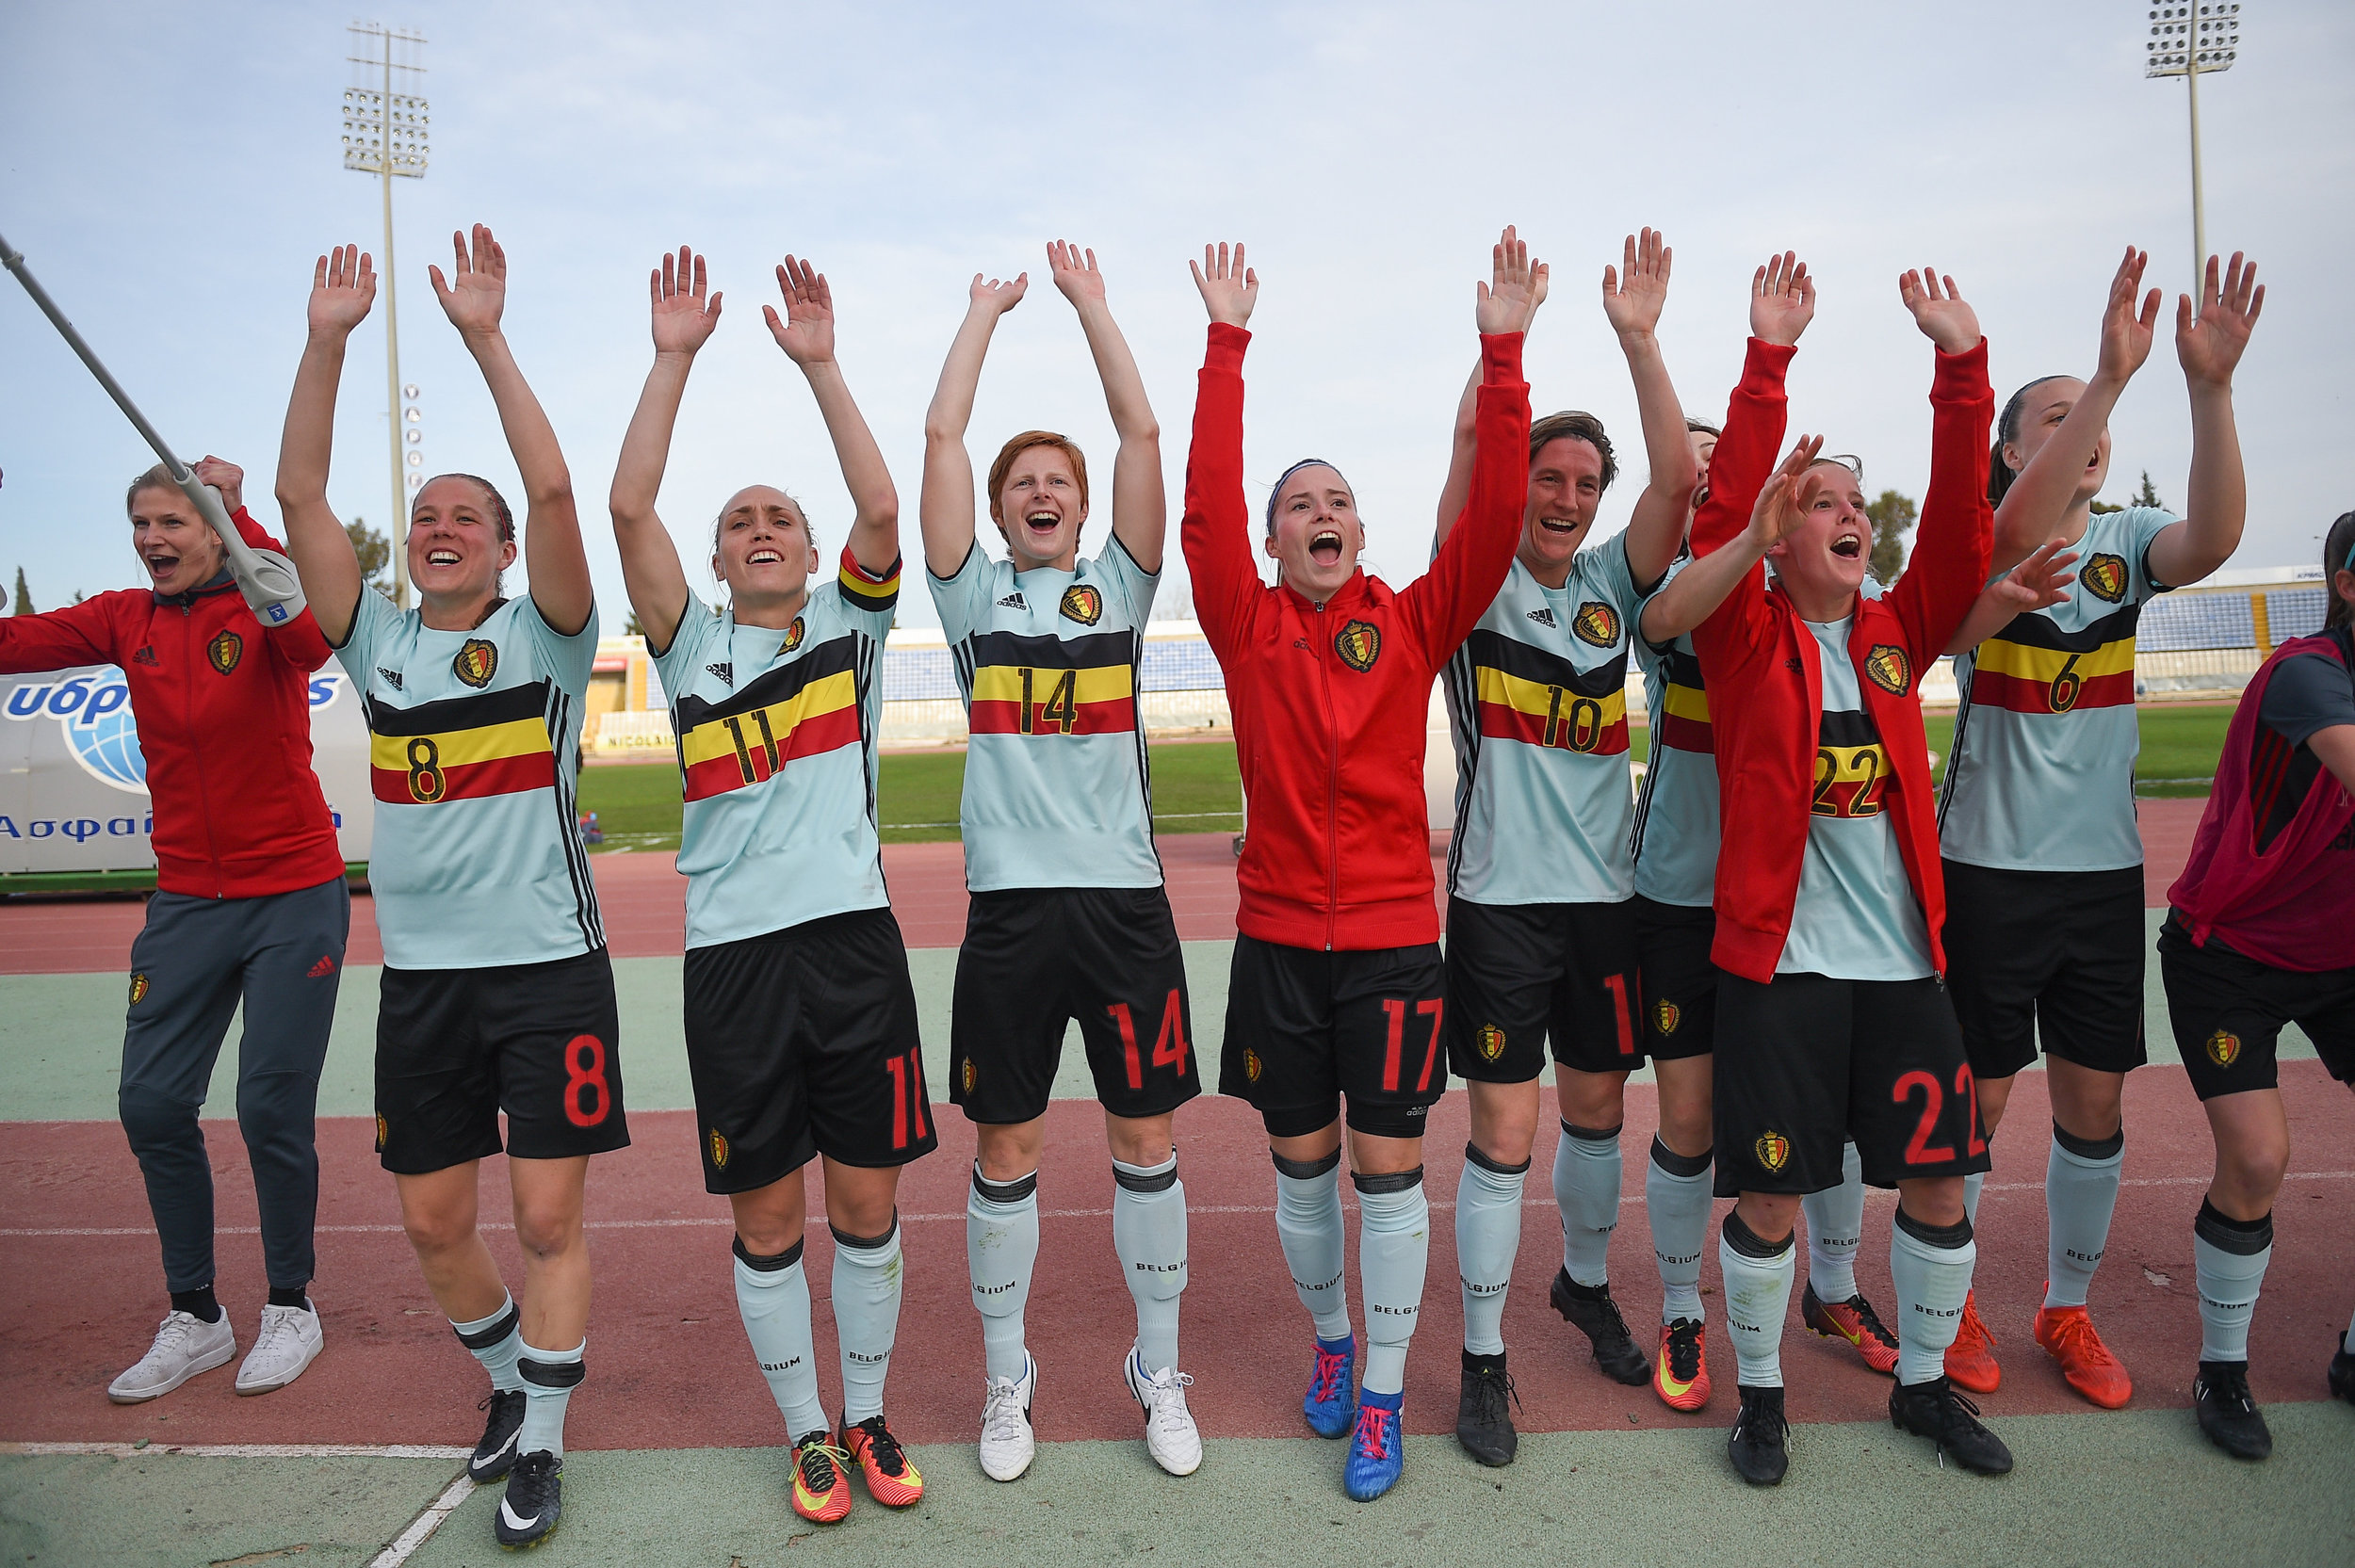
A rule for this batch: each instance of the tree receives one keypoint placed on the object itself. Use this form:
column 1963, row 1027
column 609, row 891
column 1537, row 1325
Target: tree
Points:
column 2147, row 495
column 24, row 594
column 374, row 550
column 631, row 626
column 1893, row 516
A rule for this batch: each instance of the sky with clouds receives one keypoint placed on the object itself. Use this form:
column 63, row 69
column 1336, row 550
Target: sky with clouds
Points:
column 171, row 172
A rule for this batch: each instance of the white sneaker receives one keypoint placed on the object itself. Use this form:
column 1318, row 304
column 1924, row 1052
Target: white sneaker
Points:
column 1170, row 1435
column 290, row 1341
column 1007, row 1445
column 184, row 1347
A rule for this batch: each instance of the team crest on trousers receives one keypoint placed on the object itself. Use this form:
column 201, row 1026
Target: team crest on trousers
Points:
column 1082, row 604
column 718, row 1142
column 1665, row 1016
column 1251, row 1068
column 1772, row 1151
column 1359, row 643
column 2104, row 577
column 1596, row 622
column 2223, row 1047
column 476, row 662
column 139, row 988
column 1889, row 668
column 968, row 1075
column 1491, row 1042
column 225, row 650
column 384, row 1131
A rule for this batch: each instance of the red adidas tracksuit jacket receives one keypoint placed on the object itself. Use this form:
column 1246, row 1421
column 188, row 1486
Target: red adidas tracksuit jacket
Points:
column 224, row 714
column 1330, row 700
column 1765, row 688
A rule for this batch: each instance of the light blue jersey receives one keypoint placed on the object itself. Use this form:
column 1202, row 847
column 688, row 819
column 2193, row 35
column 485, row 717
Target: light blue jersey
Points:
column 1857, row 918
column 1675, row 837
column 2042, row 777
column 1057, row 793
column 1537, row 702
column 474, row 759
column 776, row 749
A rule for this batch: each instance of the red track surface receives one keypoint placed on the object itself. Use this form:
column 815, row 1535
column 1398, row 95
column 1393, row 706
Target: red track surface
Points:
column 669, row 1367
column 644, row 900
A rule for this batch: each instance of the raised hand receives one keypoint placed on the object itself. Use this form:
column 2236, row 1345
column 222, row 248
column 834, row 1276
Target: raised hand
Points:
column 1782, row 300
column 2126, row 337
column 476, row 294
column 682, row 321
column 343, row 289
column 1073, row 271
column 1783, row 499
column 998, row 297
column 2039, row 582
column 1942, row 313
column 1509, row 301
column 1632, row 296
column 805, row 332
column 2211, row 346
column 1230, row 290
column 223, row 475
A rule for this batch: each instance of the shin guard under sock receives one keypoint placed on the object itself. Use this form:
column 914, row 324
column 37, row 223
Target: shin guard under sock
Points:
column 1393, row 1253
column 1970, row 1185
column 1835, row 1229
column 2080, row 1194
column 1930, row 1266
column 1149, row 1236
column 1586, row 1189
column 1758, row 1300
column 549, row 1379
column 1676, row 1197
column 1308, row 1223
column 496, row 1341
column 1487, row 1238
column 2228, row 1258
column 867, row 1271
column 772, row 1298
column 1000, row 1252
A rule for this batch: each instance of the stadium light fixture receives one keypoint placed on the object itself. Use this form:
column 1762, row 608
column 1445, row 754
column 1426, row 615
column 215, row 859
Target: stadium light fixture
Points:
column 2192, row 39
column 387, row 132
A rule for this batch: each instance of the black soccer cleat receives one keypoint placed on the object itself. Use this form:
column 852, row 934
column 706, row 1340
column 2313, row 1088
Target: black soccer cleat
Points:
column 495, row 1454
column 2219, row 1397
column 534, row 1501
column 2343, row 1372
column 1483, row 1425
column 1594, row 1314
column 1935, row 1411
column 1758, row 1443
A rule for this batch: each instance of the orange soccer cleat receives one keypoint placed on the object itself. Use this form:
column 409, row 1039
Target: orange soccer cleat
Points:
column 2085, row 1363
column 892, row 1477
column 1971, row 1359
column 1855, row 1321
column 821, row 1479
column 1679, row 1373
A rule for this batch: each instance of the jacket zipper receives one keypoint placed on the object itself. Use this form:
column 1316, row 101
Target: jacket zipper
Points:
column 1332, row 795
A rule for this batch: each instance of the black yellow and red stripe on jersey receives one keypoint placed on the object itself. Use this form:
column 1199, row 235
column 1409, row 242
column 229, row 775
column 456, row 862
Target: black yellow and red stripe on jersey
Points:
column 1542, row 699
column 1685, row 708
column 802, row 709
column 1851, row 766
column 866, row 591
column 462, row 747
column 1054, row 684
column 2032, row 665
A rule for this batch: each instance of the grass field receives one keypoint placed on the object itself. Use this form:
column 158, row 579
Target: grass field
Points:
column 1195, row 787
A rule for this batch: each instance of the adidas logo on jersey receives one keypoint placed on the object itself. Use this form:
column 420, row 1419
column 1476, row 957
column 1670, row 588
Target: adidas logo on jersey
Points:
column 725, row 672
column 147, row 656
column 1544, row 617
column 392, row 677
column 1014, row 601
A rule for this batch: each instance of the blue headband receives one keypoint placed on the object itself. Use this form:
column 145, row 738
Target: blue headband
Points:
column 1305, row 463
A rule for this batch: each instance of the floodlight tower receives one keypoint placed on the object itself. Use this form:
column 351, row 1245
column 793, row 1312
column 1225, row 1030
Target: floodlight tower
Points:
column 386, row 135
column 2192, row 40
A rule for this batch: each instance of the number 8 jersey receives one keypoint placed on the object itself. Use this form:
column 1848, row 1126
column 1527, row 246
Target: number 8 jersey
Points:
column 474, row 743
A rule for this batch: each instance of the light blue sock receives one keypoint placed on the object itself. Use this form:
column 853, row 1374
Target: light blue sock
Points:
column 1835, row 1229
column 1487, row 1235
column 1308, row 1223
column 1971, row 1185
column 496, row 1341
column 2080, row 1195
column 549, row 1379
column 1758, row 1300
column 772, row 1298
column 1586, row 1189
column 1676, row 1199
column 1393, row 1254
column 2229, row 1259
column 1149, row 1239
column 1000, row 1251
column 1930, row 1266
column 867, row 1272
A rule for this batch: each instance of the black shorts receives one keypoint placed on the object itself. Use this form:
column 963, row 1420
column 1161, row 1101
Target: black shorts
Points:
column 1036, row 958
column 1680, row 982
column 454, row 1047
column 1520, row 976
column 1809, row 1062
column 2055, row 955
column 2228, row 1010
column 1304, row 1027
column 804, row 1041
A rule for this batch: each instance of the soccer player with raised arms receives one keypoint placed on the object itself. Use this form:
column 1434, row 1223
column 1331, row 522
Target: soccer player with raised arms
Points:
column 1337, row 990
column 801, row 1021
column 1068, row 919
column 497, row 995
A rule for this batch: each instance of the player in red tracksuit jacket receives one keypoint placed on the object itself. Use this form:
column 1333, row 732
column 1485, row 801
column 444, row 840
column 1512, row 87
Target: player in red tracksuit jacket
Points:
column 251, row 906
column 1337, row 986
column 1833, row 1021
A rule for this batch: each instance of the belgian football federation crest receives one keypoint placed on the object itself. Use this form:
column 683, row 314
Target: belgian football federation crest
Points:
column 1251, row 1067
column 968, row 1075
column 1889, row 668
column 794, row 634
column 2224, row 1047
column 139, row 988
column 1596, row 622
column 718, row 1149
column 2104, row 577
column 1082, row 604
column 1665, row 1016
column 1772, row 1151
column 1491, row 1042
column 476, row 662
column 1359, row 643
column 225, row 650
column 384, row 1131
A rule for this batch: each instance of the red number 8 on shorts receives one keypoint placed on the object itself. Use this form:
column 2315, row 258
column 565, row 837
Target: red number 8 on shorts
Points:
column 586, row 1097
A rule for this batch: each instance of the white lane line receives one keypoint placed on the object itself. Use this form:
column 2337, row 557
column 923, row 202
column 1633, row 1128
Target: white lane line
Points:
column 1633, row 1200
column 421, row 1528
column 246, row 1450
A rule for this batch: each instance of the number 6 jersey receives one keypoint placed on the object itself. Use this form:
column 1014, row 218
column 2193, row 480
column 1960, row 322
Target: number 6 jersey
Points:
column 474, row 743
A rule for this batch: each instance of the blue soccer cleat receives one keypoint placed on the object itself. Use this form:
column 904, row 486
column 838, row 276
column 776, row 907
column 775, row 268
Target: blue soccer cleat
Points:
column 1375, row 1454
column 1331, row 1404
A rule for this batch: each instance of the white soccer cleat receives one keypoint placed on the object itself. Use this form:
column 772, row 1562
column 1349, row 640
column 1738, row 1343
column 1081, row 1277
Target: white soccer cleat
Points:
column 290, row 1341
column 1170, row 1435
column 1007, row 1443
column 184, row 1347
